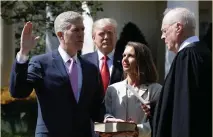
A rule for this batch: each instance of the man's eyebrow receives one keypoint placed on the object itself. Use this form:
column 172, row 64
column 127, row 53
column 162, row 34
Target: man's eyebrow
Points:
column 162, row 29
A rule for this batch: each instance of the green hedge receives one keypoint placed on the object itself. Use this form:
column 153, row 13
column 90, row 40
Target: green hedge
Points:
column 18, row 119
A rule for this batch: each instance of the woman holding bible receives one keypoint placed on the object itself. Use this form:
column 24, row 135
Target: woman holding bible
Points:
column 140, row 72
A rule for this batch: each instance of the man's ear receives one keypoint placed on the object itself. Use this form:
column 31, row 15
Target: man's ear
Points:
column 93, row 36
column 179, row 28
column 60, row 35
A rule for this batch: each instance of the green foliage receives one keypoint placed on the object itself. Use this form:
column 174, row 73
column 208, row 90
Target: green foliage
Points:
column 6, row 134
column 18, row 118
column 94, row 7
column 19, row 12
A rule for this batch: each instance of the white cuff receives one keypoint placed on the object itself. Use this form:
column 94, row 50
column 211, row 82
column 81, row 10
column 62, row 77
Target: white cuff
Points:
column 21, row 58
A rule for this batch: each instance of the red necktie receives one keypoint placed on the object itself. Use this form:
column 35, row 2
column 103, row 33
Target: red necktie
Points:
column 105, row 73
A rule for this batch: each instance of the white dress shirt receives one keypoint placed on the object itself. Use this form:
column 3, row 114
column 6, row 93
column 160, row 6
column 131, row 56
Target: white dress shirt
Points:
column 188, row 41
column 23, row 59
column 109, row 61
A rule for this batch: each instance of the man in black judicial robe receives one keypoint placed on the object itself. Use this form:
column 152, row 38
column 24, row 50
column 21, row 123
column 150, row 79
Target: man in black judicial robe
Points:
column 184, row 107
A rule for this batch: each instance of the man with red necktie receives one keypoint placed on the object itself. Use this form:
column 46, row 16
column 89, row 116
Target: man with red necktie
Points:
column 104, row 35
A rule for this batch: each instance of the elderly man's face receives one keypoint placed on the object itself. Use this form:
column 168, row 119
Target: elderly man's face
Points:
column 74, row 35
column 105, row 39
column 169, row 35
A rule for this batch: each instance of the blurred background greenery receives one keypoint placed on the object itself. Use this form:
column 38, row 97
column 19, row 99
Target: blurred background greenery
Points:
column 19, row 12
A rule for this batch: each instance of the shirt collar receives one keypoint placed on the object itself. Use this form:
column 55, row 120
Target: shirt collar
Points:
column 188, row 41
column 65, row 56
column 110, row 55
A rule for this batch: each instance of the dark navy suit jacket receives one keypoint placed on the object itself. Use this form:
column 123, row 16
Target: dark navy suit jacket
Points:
column 58, row 112
column 117, row 72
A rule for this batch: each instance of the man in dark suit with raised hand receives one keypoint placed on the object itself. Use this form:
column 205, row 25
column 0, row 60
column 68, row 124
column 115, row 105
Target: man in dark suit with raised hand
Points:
column 104, row 36
column 68, row 87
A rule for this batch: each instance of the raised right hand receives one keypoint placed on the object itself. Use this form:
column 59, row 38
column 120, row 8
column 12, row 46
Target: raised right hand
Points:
column 28, row 41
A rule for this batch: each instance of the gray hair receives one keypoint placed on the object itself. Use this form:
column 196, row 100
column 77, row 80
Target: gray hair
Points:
column 183, row 15
column 104, row 22
column 64, row 19
column 166, row 11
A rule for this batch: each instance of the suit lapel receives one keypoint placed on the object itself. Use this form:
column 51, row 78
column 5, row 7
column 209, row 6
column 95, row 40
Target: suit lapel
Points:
column 84, row 79
column 95, row 59
column 59, row 64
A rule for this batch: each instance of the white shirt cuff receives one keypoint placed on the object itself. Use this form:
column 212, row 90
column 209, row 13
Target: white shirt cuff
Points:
column 21, row 58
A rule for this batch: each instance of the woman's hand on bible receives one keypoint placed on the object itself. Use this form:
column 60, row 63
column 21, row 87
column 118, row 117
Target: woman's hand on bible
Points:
column 130, row 120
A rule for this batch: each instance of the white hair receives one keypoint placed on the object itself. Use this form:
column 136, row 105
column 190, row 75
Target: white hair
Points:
column 166, row 11
column 63, row 20
column 182, row 15
column 104, row 22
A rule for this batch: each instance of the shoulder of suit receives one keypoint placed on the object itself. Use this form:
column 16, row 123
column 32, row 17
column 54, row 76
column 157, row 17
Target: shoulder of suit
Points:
column 155, row 86
column 118, row 84
column 85, row 61
column 88, row 65
column 85, row 56
column 116, row 87
column 42, row 57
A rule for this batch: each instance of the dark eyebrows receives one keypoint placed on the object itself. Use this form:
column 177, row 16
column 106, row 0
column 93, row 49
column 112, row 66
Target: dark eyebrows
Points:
column 129, row 54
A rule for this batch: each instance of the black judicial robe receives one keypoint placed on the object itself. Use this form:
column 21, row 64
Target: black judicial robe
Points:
column 185, row 104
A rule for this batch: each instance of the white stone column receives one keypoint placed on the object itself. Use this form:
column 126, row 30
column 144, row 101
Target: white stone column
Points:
column 88, row 45
column 192, row 6
column 7, row 48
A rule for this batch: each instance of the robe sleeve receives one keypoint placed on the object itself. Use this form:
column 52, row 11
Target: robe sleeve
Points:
column 192, row 94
